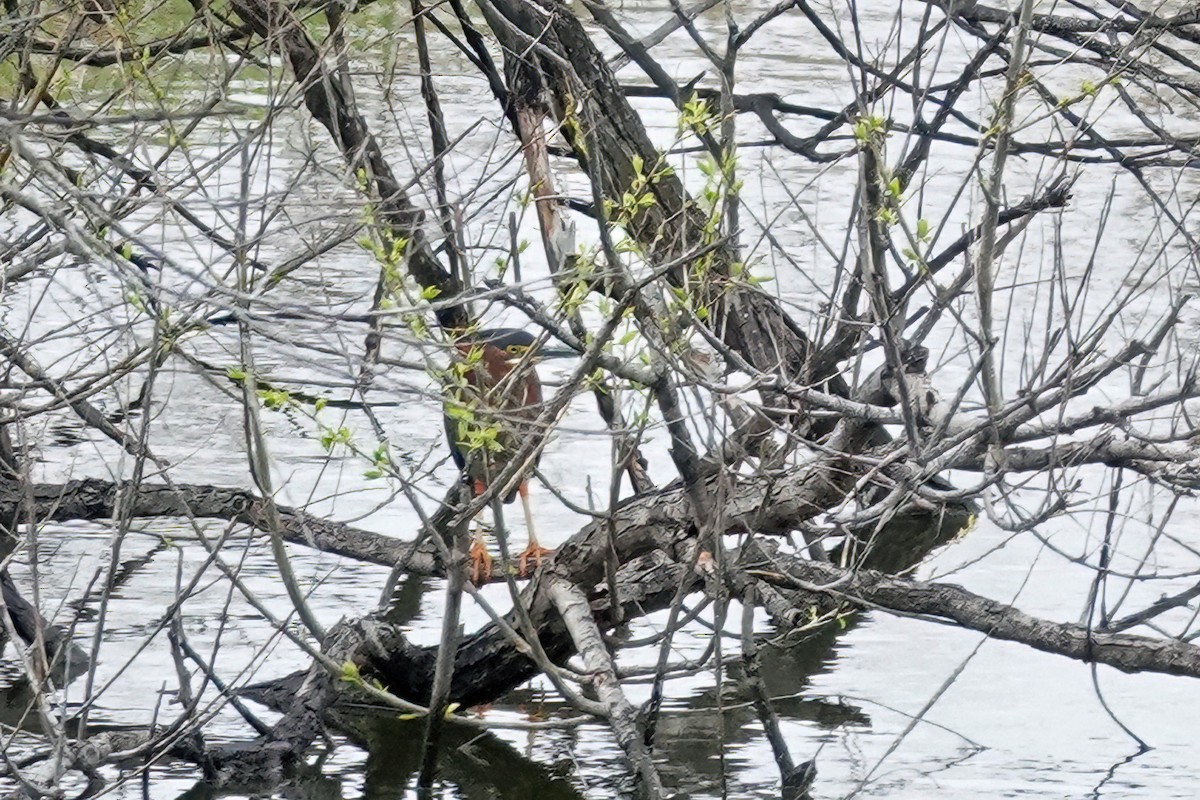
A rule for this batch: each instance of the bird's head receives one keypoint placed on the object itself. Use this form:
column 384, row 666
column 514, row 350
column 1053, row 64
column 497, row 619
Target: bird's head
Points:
column 513, row 343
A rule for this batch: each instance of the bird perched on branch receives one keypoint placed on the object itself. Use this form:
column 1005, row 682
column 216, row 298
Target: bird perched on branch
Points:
column 493, row 404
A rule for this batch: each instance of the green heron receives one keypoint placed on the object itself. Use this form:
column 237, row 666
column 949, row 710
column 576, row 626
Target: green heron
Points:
column 491, row 412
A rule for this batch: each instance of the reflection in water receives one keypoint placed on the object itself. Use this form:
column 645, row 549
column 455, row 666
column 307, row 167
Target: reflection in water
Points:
column 309, row 783
column 486, row 766
column 476, row 765
column 405, row 604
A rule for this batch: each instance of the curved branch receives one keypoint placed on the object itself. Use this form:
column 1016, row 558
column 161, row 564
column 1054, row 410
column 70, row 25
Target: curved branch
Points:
column 871, row 589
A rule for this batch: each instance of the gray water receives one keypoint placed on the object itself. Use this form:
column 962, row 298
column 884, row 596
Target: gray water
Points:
column 1002, row 720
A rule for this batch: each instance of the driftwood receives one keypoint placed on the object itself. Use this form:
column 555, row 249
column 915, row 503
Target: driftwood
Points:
column 830, row 587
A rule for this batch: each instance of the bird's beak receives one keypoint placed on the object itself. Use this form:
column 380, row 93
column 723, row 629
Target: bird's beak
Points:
column 555, row 352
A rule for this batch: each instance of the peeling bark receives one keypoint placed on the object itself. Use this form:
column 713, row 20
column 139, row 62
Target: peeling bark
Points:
column 622, row 716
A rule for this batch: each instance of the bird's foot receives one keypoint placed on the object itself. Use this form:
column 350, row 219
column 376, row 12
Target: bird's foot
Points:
column 534, row 554
column 481, row 563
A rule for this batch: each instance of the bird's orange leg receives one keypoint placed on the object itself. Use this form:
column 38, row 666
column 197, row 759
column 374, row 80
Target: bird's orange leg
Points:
column 481, row 560
column 534, row 552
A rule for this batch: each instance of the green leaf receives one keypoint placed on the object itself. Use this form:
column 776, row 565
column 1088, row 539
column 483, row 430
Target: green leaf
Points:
column 274, row 398
column 397, row 253
column 350, row 673
column 461, row 413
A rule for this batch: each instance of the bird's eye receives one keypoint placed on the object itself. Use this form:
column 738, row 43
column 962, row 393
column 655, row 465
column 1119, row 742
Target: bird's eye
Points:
column 516, row 349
